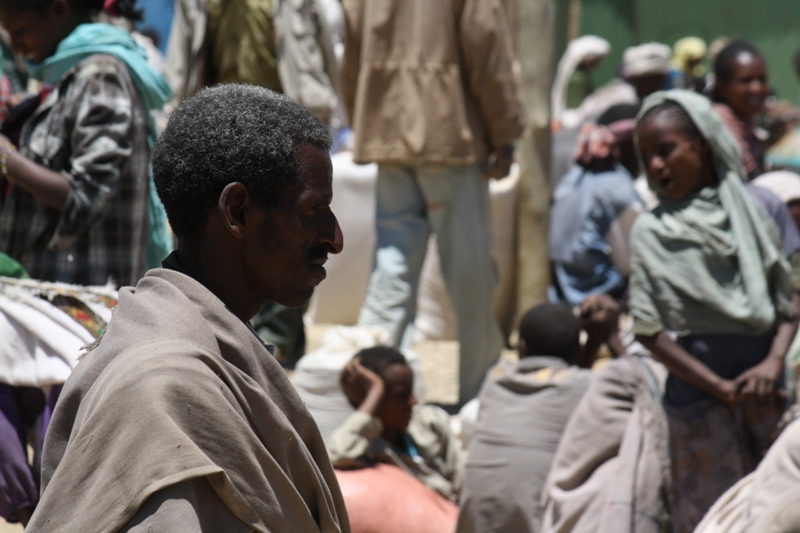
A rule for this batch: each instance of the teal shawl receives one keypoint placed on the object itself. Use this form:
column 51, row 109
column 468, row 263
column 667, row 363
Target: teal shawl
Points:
column 711, row 263
column 90, row 39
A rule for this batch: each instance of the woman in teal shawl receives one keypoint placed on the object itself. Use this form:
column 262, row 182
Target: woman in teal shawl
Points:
column 77, row 202
column 81, row 207
column 708, row 267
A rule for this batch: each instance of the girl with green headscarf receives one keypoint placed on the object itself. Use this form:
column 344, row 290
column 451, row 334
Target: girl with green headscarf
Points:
column 78, row 204
column 708, row 266
column 81, row 207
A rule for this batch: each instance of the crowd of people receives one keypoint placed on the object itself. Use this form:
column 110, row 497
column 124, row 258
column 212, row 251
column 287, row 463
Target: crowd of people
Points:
column 192, row 194
column 695, row 239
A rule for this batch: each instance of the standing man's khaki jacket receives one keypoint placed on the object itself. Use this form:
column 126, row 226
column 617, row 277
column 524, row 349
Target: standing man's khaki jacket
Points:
column 438, row 91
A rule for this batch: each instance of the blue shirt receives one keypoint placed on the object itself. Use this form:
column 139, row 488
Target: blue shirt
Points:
column 585, row 206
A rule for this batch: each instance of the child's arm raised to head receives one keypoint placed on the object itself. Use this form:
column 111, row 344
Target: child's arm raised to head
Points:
column 362, row 386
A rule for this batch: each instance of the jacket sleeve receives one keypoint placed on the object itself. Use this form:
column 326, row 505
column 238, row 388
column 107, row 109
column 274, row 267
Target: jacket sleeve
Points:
column 101, row 143
column 348, row 444
column 488, row 56
column 353, row 14
column 445, row 455
column 186, row 37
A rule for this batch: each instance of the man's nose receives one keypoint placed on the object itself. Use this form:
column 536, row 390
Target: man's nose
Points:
column 332, row 237
column 757, row 86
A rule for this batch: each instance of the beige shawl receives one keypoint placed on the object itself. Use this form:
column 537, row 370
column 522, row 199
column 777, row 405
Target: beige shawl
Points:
column 611, row 469
column 179, row 389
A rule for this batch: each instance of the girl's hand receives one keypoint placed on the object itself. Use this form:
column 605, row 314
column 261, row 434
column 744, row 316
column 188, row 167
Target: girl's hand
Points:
column 725, row 390
column 761, row 380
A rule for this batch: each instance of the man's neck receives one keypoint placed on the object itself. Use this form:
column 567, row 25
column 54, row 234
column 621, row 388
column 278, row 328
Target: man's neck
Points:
column 214, row 269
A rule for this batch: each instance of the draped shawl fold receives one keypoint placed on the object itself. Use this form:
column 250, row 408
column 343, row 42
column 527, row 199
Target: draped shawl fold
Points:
column 711, row 263
column 180, row 389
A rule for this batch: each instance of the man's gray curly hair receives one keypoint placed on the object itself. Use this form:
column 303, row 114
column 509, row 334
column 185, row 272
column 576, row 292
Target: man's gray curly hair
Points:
column 225, row 134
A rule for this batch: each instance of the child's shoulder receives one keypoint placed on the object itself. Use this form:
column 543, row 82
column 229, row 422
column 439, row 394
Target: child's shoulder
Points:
column 431, row 417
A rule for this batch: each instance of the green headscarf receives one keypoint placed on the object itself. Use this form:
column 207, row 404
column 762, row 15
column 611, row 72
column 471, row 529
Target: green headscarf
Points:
column 712, row 262
column 90, row 39
column 11, row 269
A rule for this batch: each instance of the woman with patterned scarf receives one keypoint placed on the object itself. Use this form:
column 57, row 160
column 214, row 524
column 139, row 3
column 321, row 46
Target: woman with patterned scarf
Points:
column 80, row 206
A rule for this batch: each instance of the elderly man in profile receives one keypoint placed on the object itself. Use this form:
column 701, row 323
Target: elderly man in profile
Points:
column 179, row 419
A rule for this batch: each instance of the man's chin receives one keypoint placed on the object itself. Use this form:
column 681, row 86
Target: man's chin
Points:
column 295, row 299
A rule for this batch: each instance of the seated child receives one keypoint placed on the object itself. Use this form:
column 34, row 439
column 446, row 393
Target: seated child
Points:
column 388, row 426
column 524, row 407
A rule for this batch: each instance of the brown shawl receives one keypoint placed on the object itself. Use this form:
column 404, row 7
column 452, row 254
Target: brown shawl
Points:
column 179, row 389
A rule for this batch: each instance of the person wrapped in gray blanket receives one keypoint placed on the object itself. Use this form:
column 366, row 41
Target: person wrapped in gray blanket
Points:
column 611, row 471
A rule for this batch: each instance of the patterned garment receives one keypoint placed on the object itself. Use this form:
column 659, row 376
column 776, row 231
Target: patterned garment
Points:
column 93, row 129
column 714, row 445
column 432, row 454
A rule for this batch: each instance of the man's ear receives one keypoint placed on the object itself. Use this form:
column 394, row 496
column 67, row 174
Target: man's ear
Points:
column 233, row 208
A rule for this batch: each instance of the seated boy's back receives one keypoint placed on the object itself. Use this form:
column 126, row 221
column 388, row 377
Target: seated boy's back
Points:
column 524, row 408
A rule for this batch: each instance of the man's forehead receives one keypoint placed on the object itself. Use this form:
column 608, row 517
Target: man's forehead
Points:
column 308, row 155
column 314, row 176
column 315, row 164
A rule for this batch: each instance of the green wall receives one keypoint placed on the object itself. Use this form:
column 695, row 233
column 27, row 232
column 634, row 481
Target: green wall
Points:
column 772, row 25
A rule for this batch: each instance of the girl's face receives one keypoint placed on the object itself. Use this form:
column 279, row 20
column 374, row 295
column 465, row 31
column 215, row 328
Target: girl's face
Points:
column 677, row 163
column 36, row 33
column 747, row 90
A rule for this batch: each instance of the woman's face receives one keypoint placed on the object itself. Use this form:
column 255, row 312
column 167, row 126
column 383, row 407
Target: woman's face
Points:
column 677, row 163
column 747, row 90
column 35, row 33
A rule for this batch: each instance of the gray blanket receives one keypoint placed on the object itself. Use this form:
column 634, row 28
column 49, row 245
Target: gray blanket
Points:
column 524, row 408
column 611, row 469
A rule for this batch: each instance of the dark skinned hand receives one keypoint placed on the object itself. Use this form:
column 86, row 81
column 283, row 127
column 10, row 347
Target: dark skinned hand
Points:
column 762, row 380
column 500, row 162
column 726, row 391
column 600, row 315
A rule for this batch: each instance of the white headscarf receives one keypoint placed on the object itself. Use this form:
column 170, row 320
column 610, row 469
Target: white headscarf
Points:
column 582, row 48
column 784, row 184
column 648, row 58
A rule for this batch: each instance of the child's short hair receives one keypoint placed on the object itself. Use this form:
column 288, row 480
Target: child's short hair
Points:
column 379, row 358
column 551, row 329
